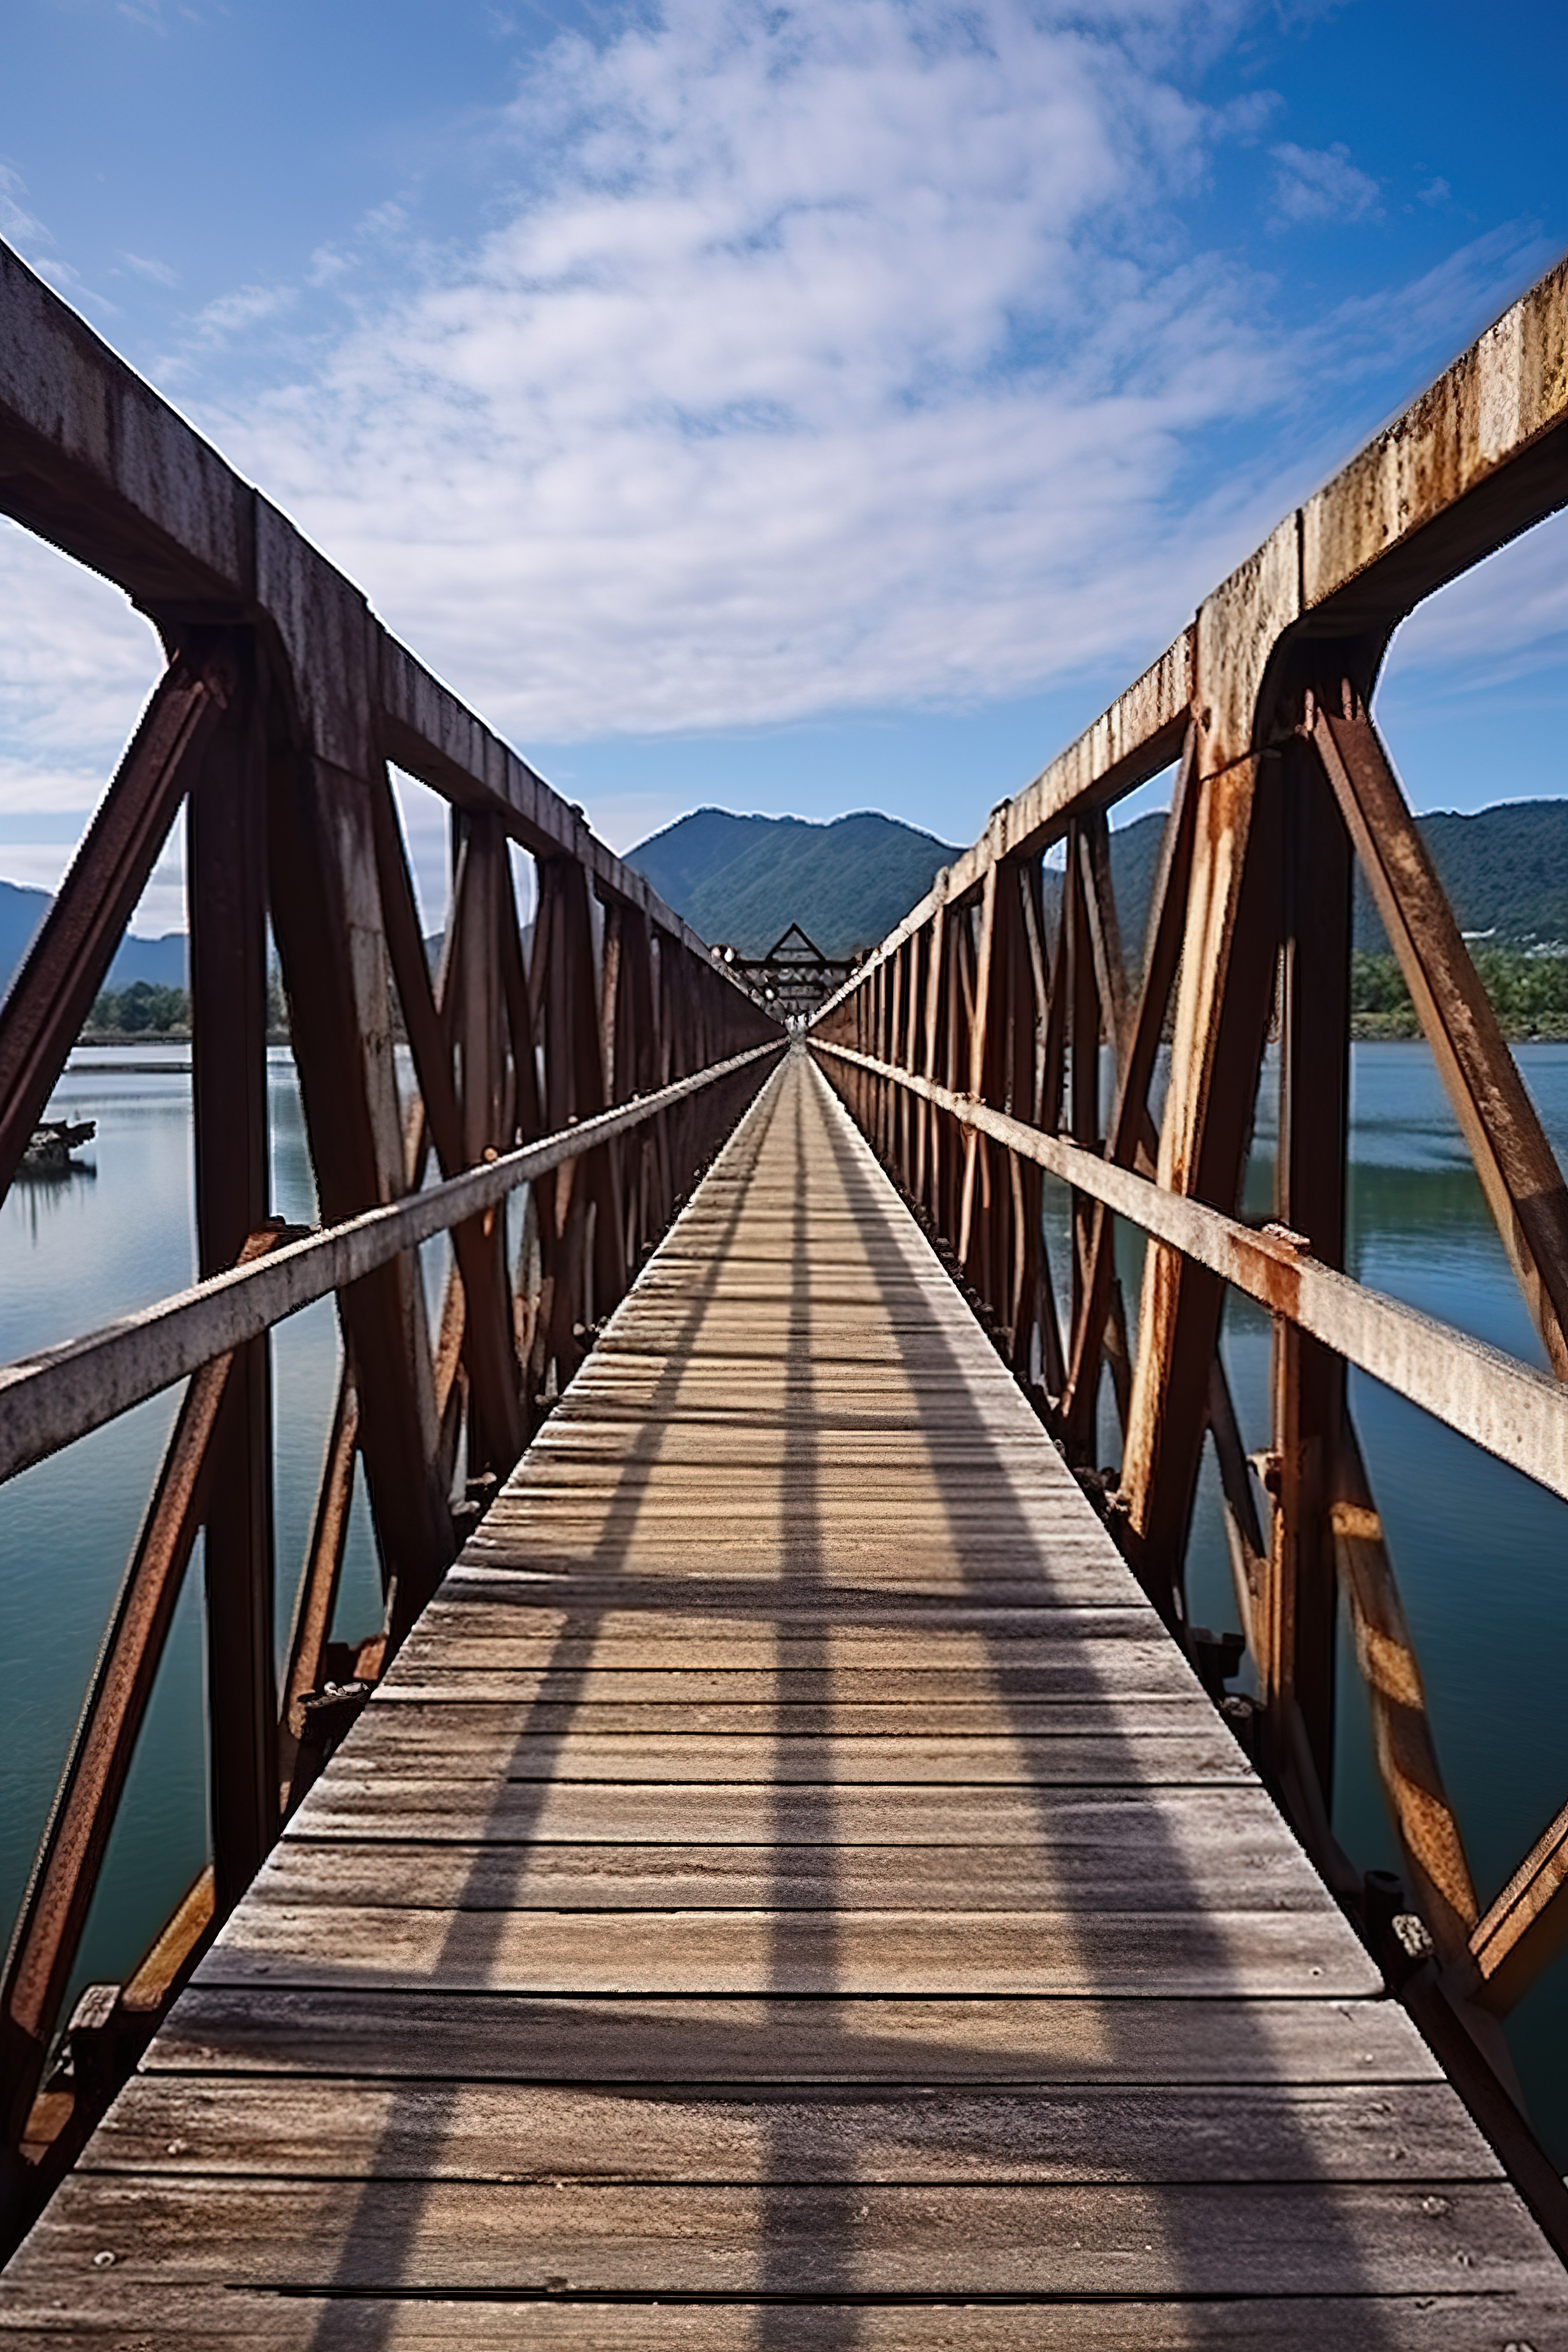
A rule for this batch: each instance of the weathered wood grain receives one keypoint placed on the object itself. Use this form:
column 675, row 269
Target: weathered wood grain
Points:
column 1194, row 1954
column 653, row 2239
column 467, row 1743
column 1116, row 1847
column 341, row 2128
column 420, row 2035
column 395, row 1805
column 561, row 2320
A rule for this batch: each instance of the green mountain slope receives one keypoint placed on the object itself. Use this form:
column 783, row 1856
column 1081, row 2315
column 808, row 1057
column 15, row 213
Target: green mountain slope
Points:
column 1505, row 871
column 742, row 880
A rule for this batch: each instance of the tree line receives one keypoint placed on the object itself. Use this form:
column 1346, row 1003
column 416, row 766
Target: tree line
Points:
column 145, row 1009
column 1529, row 994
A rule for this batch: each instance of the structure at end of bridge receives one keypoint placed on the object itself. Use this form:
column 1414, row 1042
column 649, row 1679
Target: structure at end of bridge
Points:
column 794, row 979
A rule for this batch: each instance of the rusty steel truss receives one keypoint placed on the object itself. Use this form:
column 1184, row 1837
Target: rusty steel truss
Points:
column 969, row 1047
column 593, row 1070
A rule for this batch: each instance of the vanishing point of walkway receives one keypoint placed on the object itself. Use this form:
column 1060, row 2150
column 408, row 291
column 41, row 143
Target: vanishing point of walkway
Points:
column 789, row 1892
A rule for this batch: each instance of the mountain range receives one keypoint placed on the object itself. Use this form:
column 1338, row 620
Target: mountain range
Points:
column 162, row 961
column 1505, row 871
column 742, row 880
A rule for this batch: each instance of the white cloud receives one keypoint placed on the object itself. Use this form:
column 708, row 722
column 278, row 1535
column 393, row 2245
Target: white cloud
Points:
column 18, row 227
column 154, row 18
column 832, row 356
column 1312, row 184
column 76, row 667
column 832, row 361
column 1500, row 623
column 828, row 356
column 146, row 266
column 235, row 313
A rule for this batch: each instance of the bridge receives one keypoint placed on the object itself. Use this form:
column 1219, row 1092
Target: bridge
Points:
column 785, row 1867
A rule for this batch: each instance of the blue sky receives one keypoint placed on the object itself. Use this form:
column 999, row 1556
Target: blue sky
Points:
column 804, row 407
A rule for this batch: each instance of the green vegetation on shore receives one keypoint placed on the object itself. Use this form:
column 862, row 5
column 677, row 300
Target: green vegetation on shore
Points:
column 1529, row 994
column 143, row 1010
column 155, row 1015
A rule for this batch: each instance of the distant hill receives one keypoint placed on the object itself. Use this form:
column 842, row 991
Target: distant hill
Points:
column 1505, row 871
column 161, row 962
column 742, row 880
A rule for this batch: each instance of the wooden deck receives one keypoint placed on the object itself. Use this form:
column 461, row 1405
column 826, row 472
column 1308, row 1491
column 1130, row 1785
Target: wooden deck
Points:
column 789, row 1892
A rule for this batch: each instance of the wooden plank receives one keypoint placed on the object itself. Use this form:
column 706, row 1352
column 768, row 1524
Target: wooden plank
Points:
column 342, row 2128
column 562, row 2321
column 383, row 1804
column 1103, row 2240
column 490, row 1727
column 1072, row 1760
column 1197, row 1954
column 1115, row 1859
column 474, row 1669
column 417, row 2034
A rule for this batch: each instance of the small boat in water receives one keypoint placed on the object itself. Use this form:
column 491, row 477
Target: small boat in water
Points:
column 53, row 1142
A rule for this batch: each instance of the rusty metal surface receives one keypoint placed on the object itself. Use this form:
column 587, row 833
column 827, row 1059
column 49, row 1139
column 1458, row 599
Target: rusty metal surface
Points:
column 626, row 1041
column 1527, row 1927
column 1284, row 785
column 62, row 1886
column 603, row 1088
column 498, row 2054
column 1424, row 1822
column 1476, row 460
column 1517, row 1167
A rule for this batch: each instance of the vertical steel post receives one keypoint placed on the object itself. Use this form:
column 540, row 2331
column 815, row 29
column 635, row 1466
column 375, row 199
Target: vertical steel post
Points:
column 226, row 869
column 1308, row 1380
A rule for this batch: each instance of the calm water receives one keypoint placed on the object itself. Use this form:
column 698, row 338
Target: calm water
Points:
column 1480, row 1553
column 75, row 1252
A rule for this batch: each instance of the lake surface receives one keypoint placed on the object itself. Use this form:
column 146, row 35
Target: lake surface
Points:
column 1481, row 1555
